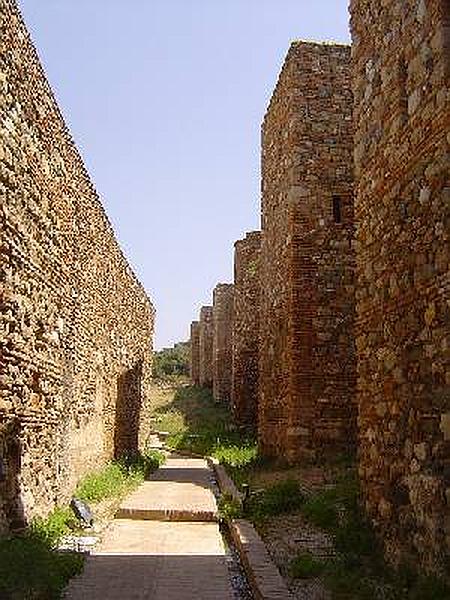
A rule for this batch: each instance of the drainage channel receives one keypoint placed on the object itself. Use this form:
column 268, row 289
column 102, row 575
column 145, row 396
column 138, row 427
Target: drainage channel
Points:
column 238, row 578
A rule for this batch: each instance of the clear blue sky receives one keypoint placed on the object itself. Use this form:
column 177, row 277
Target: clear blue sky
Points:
column 165, row 99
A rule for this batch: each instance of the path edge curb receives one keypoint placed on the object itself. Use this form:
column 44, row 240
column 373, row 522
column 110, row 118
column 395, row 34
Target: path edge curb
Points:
column 263, row 575
column 224, row 481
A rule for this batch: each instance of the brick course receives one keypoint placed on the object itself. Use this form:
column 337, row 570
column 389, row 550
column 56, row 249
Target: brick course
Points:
column 76, row 325
column 401, row 54
column 307, row 357
column 223, row 298
column 245, row 351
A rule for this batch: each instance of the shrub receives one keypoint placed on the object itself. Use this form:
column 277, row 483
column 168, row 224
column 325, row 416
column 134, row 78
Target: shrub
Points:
column 30, row 567
column 51, row 529
column 430, row 588
column 321, row 510
column 345, row 583
column 234, row 455
column 283, row 497
column 305, row 565
column 408, row 584
column 172, row 361
column 229, row 508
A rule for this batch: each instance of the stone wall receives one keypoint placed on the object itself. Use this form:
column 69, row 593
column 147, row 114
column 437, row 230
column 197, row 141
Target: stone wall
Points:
column 194, row 365
column 402, row 119
column 245, row 351
column 307, row 357
column 76, row 325
column 223, row 295
column 206, row 335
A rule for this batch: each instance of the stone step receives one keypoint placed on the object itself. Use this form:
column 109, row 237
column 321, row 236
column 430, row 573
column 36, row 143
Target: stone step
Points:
column 155, row 514
column 180, row 490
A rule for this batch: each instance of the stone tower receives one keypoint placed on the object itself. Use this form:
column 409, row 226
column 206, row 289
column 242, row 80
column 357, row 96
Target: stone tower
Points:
column 247, row 285
column 222, row 344
column 307, row 358
column 206, row 334
column 194, row 363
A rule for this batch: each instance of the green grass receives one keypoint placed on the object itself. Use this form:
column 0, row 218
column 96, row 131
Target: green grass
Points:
column 359, row 571
column 408, row 584
column 51, row 529
column 345, row 583
column 229, row 508
column 279, row 498
column 30, row 566
column 234, row 455
column 199, row 425
column 305, row 565
column 321, row 509
column 118, row 477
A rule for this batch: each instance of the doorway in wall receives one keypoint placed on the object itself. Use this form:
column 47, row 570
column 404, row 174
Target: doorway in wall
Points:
column 128, row 411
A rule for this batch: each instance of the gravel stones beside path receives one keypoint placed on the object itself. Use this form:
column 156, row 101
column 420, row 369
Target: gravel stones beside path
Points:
column 288, row 535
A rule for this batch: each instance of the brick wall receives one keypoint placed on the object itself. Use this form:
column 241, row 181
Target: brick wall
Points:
column 76, row 325
column 402, row 119
column 222, row 342
column 206, row 335
column 195, row 353
column 307, row 358
column 245, row 351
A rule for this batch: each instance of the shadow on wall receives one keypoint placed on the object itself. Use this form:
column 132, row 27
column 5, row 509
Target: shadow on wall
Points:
column 128, row 411
column 12, row 514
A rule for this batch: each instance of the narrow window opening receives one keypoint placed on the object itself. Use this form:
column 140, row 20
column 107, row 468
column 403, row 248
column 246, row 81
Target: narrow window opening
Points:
column 446, row 36
column 402, row 88
column 2, row 470
column 337, row 209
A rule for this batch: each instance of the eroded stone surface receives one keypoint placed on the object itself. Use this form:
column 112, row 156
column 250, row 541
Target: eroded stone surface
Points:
column 401, row 55
column 180, row 490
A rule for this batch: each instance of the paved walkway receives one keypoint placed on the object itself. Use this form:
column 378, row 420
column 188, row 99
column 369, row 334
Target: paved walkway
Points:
column 167, row 548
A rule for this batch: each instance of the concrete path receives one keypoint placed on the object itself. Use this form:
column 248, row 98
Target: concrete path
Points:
column 169, row 547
